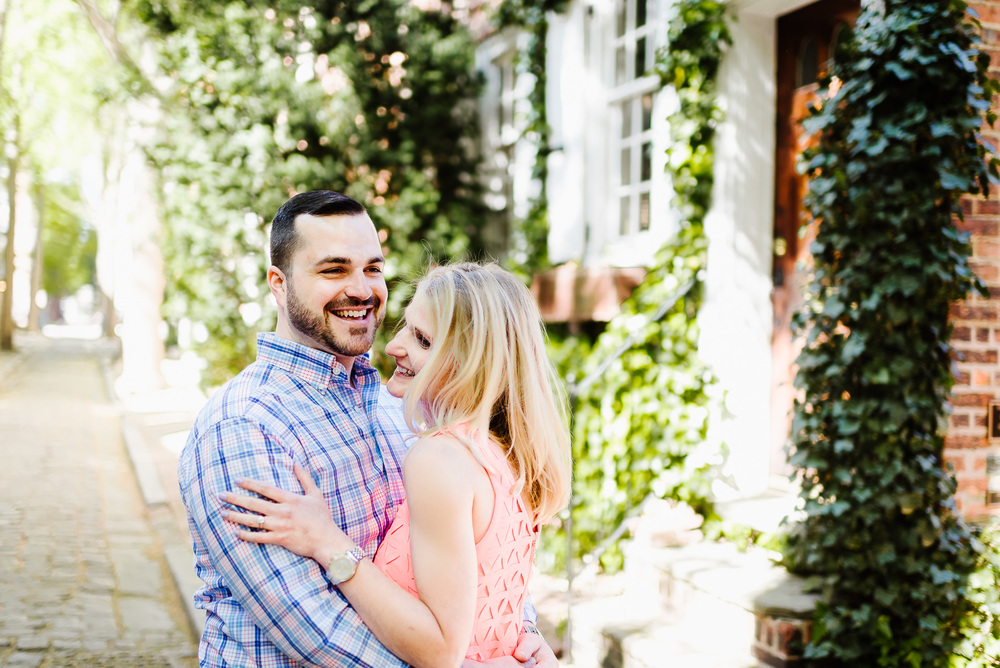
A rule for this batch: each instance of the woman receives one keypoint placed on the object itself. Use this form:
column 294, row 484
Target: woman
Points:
column 490, row 465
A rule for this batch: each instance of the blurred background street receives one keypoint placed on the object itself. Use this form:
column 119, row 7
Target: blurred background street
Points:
column 83, row 576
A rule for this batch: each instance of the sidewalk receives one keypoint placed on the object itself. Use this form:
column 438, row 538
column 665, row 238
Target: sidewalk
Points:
column 82, row 578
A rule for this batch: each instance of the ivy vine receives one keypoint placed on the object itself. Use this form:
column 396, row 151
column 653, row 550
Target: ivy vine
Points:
column 903, row 580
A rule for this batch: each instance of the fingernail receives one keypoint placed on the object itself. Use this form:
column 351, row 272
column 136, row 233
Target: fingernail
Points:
column 222, row 497
column 239, row 481
column 530, row 662
column 224, row 514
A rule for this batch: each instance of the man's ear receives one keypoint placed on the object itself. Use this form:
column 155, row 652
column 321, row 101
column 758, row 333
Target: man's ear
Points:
column 277, row 282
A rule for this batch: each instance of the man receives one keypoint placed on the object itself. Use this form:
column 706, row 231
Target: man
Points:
column 312, row 398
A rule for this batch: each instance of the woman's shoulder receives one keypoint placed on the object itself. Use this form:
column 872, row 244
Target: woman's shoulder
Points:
column 441, row 451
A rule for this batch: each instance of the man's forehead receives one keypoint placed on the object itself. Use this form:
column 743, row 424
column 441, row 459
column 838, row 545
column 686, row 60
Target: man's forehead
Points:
column 340, row 236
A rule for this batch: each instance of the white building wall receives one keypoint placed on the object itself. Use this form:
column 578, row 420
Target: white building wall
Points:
column 570, row 89
column 737, row 316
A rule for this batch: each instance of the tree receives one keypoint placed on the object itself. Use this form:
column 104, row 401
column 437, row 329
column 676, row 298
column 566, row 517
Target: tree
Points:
column 48, row 58
column 374, row 99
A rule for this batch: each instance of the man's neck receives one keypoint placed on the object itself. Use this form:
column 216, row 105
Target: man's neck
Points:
column 294, row 336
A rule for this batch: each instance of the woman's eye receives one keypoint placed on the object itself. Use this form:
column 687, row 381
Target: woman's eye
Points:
column 424, row 343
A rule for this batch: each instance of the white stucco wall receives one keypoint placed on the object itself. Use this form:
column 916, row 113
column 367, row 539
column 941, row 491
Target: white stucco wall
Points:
column 737, row 313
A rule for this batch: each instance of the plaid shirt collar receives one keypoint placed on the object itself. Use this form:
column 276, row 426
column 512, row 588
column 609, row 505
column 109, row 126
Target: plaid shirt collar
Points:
column 316, row 367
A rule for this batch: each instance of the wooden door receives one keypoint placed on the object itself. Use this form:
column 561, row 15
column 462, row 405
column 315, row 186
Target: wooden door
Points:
column 806, row 43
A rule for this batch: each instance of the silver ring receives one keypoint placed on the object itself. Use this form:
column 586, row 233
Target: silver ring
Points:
column 260, row 522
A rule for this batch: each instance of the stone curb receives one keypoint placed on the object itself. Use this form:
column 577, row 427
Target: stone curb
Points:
column 177, row 551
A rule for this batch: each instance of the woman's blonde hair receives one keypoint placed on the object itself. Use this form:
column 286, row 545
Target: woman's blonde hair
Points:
column 488, row 366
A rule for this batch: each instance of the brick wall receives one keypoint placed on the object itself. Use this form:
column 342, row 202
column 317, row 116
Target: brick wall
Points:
column 976, row 339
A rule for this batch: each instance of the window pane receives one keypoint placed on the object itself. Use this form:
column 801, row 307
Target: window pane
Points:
column 647, row 161
column 622, row 8
column 644, row 211
column 623, row 220
column 626, row 166
column 626, row 108
column 647, row 112
column 640, row 13
column 620, row 74
column 640, row 57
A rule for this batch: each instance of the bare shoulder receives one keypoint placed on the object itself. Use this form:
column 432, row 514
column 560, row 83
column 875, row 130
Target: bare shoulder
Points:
column 443, row 459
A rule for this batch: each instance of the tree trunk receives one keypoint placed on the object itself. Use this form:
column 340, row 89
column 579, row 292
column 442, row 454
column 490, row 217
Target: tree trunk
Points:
column 7, row 296
column 36, row 264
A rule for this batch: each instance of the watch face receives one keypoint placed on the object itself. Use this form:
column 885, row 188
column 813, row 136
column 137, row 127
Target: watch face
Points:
column 342, row 568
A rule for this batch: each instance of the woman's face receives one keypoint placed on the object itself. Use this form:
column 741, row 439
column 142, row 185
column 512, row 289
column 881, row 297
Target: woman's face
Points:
column 411, row 346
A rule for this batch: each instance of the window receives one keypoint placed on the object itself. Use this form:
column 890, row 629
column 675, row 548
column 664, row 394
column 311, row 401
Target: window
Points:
column 503, row 123
column 633, row 88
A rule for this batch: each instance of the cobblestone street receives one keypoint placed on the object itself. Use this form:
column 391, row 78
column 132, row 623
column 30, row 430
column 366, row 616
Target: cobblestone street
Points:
column 82, row 578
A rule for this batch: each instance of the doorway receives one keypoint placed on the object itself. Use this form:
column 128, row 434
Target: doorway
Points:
column 807, row 40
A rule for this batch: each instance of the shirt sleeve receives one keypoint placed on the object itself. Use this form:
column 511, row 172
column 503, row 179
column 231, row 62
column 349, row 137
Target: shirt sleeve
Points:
column 287, row 597
column 530, row 613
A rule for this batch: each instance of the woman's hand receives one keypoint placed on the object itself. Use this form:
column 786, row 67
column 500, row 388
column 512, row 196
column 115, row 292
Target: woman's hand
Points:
column 297, row 522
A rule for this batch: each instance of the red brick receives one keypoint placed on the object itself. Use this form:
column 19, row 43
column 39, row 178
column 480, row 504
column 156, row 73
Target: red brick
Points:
column 964, row 442
column 959, row 420
column 986, row 207
column 988, row 14
column 977, row 485
column 980, row 378
column 957, row 463
column 979, row 225
column 986, row 247
column 963, row 333
column 985, row 311
column 978, row 399
column 988, row 272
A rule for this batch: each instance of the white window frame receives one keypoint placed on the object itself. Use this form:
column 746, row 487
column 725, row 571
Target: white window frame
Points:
column 624, row 235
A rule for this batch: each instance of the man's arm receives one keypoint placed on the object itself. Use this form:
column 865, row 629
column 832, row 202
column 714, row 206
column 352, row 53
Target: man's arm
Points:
column 286, row 596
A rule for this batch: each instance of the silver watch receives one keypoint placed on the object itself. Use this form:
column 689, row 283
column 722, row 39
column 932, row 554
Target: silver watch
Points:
column 344, row 565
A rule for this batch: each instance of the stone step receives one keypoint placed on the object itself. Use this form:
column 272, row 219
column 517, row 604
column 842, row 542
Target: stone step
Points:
column 705, row 604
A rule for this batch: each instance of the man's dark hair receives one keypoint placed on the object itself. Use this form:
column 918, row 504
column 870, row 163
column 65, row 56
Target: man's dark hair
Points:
column 284, row 241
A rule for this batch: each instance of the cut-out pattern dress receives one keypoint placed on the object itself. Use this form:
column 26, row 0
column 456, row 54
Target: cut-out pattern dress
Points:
column 505, row 555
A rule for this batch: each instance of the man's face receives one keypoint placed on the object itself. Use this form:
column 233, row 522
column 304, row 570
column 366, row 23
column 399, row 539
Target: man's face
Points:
column 335, row 292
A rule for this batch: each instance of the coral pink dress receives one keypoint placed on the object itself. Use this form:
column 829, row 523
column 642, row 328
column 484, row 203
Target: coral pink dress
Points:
column 505, row 555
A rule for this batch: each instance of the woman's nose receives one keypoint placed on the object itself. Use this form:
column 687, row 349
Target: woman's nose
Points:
column 393, row 348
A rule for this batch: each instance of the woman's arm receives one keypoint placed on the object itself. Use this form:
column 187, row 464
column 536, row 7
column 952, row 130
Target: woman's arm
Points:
column 432, row 631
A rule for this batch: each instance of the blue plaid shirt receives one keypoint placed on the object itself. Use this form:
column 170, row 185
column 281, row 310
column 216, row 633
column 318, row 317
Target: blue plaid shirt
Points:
column 264, row 605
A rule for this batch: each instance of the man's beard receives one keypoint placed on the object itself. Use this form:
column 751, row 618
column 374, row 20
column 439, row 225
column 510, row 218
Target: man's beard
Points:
column 317, row 326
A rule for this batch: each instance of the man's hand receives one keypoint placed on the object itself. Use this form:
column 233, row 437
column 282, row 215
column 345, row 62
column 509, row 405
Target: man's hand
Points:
column 531, row 652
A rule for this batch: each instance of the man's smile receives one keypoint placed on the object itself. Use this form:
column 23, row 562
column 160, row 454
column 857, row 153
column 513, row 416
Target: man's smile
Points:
column 352, row 314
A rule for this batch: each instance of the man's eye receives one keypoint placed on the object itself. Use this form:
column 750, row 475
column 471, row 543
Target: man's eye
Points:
column 375, row 270
column 333, row 270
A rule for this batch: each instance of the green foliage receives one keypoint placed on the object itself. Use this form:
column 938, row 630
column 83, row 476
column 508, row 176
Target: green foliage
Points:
column 374, row 99
column 640, row 426
column 69, row 243
column 900, row 574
